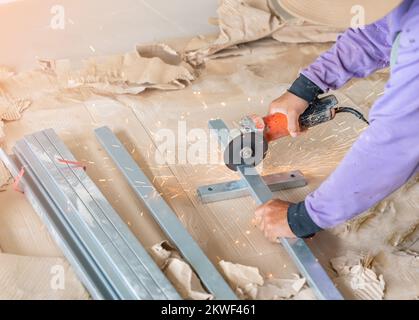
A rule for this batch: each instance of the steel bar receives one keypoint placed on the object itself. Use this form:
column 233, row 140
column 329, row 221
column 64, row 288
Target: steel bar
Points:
column 126, row 274
column 297, row 249
column 238, row 188
column 164, row 216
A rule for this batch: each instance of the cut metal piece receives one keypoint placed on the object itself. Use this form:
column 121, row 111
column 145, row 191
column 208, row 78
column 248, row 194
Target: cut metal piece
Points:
column 165, row 216
column 238, row 188
column 297, row 249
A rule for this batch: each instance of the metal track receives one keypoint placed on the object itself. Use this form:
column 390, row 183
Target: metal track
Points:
column 298, row 250
column 165, row 216
column 108, row 252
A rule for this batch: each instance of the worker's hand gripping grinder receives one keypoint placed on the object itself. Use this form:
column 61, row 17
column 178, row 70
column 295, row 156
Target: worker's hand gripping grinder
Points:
column 249, row 145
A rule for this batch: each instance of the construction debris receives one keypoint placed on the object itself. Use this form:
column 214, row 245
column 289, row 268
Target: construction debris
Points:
column 180, row 274
column 5, row 177
column 356, row 276
column 10, row 108
column 242, row 21
column 149, row 67
column 250, row 285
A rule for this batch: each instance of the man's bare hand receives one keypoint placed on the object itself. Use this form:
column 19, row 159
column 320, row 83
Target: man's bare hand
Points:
column 271, row 218
column 292, row 106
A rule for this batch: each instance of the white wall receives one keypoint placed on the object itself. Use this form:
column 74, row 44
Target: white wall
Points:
column 94, row 26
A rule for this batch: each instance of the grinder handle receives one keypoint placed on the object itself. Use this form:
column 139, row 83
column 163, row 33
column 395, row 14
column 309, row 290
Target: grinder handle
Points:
column 319, row 111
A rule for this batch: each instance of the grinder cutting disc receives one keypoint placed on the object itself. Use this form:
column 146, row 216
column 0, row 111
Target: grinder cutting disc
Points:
column 245, row 149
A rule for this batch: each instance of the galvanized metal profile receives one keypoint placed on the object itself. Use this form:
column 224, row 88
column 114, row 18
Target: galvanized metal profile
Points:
column 60, row 231
column 297, row 249
column 238, row 188
column 165, row 216
column 138, row 260
column 124, row 266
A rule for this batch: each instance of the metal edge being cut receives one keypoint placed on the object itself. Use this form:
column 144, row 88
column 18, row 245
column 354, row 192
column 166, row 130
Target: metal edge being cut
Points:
column 238, row 188
column 165, row 216
column 297, row 249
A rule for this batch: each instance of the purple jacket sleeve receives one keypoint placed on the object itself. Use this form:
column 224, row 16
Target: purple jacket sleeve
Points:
column 357, row 53
column 387, row 153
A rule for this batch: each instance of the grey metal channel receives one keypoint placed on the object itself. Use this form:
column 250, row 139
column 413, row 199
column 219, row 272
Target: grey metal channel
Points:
column 69, row 242
column 131, row 250
column 298, row 250
column 165, row 216
column 103, row 242
column 238, row 188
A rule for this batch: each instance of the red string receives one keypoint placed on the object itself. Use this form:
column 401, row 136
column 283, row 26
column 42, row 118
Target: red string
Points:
column 17, row 180
column 76, row 164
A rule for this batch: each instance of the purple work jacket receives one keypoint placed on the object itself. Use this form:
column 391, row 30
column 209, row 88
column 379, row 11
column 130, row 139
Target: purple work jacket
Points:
column 386, row 154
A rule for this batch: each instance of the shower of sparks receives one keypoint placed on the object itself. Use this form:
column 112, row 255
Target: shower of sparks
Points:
column 329, row 137
column 346, row 129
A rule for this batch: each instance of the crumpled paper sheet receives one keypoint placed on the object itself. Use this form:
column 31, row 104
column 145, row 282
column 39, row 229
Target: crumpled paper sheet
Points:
column 24, row 277
column 149, row 66
column 401, row 271
column 239, row 21
column 179, row 272
column 250, row 285
column 392, row 222
column 10, row 108
column 242, row 21
column 356, row 276
column 5, row 177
